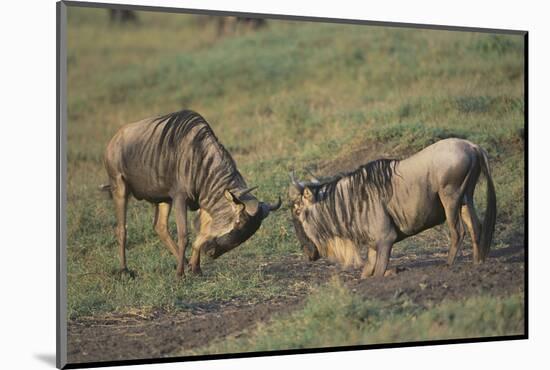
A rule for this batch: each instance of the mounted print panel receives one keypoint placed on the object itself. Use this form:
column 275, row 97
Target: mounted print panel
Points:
column 239, row 184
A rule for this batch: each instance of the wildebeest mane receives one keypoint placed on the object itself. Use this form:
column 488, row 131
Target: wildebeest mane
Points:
column 341, row 199
column 375, row 175
column 176, row 126
column 191, row 128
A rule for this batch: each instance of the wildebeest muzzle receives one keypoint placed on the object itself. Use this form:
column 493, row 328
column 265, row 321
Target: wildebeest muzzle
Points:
column 310, row 250
column 220, row 245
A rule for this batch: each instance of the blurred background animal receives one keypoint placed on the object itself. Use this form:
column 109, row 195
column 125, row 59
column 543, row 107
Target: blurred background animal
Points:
column 122, row 16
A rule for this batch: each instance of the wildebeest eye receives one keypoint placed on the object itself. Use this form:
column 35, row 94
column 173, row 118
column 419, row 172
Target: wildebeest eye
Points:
column 297, row 208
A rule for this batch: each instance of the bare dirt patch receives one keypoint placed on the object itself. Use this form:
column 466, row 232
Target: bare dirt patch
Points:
column 159, row 334
column 425, row 280
column 430, row 281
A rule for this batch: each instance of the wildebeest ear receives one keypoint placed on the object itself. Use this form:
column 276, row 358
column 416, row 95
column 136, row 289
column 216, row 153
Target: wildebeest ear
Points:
column 308, row 194
column 231, row 197
column 236, row 202
column 228, row 195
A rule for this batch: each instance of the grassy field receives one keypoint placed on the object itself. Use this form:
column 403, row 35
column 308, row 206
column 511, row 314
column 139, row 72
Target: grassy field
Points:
column 290, row 95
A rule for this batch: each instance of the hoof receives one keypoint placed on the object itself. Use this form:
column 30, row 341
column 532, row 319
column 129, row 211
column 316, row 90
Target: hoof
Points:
column 125, row 272
column 196, row 270
column 185, row 261
column 365, row 276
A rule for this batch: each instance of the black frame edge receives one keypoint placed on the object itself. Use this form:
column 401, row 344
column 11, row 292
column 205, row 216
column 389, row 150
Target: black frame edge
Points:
column 290, row 352
column 526, row 180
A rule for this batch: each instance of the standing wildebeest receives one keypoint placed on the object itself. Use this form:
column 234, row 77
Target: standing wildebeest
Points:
column 176, row 160
column 387, row 200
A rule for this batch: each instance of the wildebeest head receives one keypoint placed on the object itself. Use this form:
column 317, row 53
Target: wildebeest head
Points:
column 243, row 220
column 301, row 196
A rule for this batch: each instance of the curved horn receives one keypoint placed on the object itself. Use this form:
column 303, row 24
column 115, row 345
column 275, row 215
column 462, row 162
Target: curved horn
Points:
column 313, row 177
column 292, row 176
column 274, row 207
column 295, row 182
column 246, row 191
column 268, row 207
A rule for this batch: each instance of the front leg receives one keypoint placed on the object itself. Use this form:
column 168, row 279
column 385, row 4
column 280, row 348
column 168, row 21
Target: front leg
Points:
column 368, row 270
column 382, row 257
column 180, row 203
column 384, row 234
column 195, row 261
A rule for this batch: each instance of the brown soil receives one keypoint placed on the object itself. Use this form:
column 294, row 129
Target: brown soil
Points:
column 425, row 280
column 430, row 281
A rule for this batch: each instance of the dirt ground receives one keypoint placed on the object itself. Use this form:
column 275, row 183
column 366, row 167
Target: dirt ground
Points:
column 426, row 280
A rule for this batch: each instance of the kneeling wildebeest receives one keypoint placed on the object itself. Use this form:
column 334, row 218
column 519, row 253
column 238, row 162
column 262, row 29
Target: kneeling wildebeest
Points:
column 388, row 200
column 176, row 160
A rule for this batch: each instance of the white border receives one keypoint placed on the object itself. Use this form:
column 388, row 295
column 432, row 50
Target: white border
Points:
column 28, row 181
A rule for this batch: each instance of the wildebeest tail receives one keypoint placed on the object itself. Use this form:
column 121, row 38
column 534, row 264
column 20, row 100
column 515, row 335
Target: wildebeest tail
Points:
column 106, row 188
column 488, row 227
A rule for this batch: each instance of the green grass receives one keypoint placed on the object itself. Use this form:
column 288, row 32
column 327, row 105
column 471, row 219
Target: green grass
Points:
column 333, row 317
column 290, row 95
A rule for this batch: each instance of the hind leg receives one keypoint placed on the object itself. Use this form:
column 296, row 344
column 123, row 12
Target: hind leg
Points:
column 162, row 212
column 120, row 199
column 469, row 217
column 452, row 206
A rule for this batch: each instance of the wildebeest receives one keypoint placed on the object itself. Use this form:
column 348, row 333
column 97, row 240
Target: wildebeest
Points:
column 388, row 200
column 122, row 16
column 176, row 160
column 227, row 25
